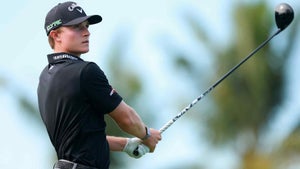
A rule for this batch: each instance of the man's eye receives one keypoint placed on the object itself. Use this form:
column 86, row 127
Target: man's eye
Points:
column 74, row 26
column 80, row 26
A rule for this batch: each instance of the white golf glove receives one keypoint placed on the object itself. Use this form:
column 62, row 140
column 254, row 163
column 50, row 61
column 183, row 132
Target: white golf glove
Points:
column 134, row 148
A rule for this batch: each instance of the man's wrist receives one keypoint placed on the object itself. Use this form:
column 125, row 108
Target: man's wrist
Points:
column 148, row 133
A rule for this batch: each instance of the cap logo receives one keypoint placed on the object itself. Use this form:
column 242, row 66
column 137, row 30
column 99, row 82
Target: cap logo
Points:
column 54, row 24
column 73, row 6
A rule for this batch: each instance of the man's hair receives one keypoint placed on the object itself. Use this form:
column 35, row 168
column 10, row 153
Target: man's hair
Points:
column 51, row 40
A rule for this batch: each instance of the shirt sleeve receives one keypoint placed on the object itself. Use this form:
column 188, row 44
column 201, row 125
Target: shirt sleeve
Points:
column 99, row 92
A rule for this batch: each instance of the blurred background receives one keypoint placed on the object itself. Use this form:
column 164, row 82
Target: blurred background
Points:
column 160, row 56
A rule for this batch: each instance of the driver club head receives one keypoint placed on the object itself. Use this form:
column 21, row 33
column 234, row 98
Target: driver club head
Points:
column 284, row 15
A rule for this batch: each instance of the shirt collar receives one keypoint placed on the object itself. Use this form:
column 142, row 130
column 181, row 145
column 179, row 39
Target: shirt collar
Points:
column 58, row 57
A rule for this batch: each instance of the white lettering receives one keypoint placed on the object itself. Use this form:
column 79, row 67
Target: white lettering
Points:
column 64, row 56
column 73, row 6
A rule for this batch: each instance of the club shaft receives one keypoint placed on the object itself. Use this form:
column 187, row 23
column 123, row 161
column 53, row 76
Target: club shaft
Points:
column 172, row 121
column 187, row 108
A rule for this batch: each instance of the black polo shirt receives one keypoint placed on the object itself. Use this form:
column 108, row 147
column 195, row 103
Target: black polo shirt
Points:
column 73, row 97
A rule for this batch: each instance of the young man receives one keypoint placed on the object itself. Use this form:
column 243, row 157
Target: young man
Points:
column 74, row 95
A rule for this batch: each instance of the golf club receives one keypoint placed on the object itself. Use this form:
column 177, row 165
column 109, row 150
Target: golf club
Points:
column 284, row 15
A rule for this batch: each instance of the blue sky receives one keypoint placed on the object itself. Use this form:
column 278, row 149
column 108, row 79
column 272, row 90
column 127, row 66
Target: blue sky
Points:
column 24, row 49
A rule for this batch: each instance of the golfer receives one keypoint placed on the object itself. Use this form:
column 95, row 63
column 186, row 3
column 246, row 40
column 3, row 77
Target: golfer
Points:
column 74, row 95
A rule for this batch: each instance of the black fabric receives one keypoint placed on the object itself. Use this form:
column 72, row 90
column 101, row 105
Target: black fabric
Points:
column 73, row 96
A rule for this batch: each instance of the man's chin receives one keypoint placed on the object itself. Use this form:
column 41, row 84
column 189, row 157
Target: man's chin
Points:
column 84, row 51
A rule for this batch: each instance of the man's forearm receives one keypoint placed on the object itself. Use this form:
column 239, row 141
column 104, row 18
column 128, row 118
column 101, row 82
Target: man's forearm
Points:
column 128, row 120
column 116, row 143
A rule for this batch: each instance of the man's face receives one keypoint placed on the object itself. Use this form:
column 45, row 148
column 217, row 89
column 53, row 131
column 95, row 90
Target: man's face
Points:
column 74, row 39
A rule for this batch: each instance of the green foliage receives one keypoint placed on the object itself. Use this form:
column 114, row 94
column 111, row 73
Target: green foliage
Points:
column 291, row 145
column 246, row 99
column 122, row 74
column 245, row 102
column 29, row 107
column 2, row 82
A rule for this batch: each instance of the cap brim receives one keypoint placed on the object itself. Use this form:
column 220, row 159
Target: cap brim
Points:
column 93, row 19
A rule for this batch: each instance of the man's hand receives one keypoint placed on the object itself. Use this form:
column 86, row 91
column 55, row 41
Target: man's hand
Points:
column 152, row 141
column 134, row 145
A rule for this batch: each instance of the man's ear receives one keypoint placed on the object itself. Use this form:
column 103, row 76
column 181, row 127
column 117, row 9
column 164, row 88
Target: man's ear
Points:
column 55, row 35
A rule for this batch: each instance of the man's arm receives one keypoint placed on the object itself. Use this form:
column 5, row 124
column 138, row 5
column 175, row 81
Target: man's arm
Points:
column 130, row 122
column 116, row 143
